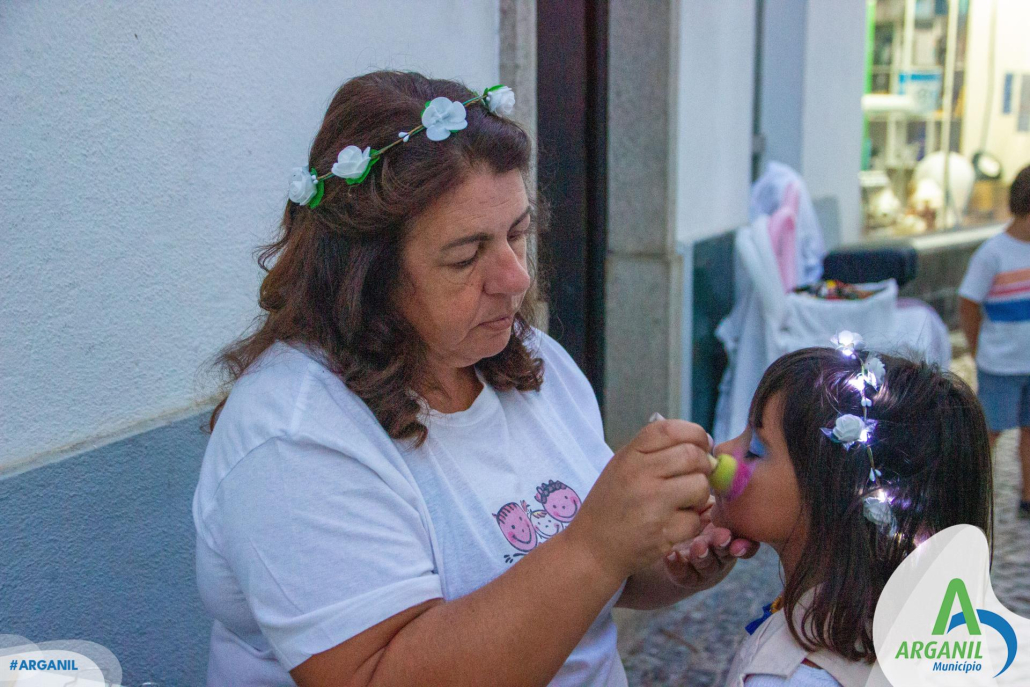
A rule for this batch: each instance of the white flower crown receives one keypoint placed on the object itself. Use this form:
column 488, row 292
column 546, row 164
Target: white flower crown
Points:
column 850, row 430
column 440, row 118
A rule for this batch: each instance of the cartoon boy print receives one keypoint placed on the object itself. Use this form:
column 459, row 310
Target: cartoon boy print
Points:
column 513, row 519
column 524, row 528
column 559, row 500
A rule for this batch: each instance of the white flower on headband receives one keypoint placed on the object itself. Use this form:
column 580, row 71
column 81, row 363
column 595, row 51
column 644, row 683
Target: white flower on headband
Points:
column 500, row 100
column 352, row 162
column 847, row 342
column 877, row 510
column 443, row 116
column 303, row 186
column 850, row 429
column 875, row 371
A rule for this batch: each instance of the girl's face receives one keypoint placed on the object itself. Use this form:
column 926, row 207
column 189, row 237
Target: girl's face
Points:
column 769, row 509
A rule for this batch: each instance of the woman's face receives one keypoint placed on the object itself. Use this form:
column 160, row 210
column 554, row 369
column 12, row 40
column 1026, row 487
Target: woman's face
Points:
column 769, row 509
column 463, row 268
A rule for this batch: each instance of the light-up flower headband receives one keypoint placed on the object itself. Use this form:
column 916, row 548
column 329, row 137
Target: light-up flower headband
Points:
column 440, row 118
column 850, row 430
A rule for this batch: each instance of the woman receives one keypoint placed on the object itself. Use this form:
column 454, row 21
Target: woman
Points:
column 395, row 490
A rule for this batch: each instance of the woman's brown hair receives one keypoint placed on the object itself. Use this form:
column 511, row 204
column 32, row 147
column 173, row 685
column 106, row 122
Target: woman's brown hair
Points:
column 931, row 445
column 336, row 265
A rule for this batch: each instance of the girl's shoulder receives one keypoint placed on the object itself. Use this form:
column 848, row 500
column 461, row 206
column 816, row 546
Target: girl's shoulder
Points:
column 804, row 676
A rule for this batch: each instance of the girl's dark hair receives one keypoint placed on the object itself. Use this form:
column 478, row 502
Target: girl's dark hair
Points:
column 336, row 266
column 931, row 444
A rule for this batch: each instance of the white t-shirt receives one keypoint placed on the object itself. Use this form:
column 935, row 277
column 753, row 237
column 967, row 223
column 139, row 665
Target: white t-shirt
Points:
column 998, row 277
column 313, row 525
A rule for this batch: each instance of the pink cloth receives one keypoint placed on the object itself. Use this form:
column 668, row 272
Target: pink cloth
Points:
column 783, row 234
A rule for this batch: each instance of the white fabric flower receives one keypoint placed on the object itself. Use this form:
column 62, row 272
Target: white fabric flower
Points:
column 850, row 428
column 443, row 116
column 302, row 186
column 351, row 162
column 847, row 342
column 875, row 371
column 878, row 511
column 500, row 101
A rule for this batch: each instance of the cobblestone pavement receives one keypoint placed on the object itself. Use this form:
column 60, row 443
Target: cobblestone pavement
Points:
column 692, row 643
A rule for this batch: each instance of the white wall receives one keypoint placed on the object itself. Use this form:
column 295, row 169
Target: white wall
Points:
column 714, row 116
column 713, row 130
column 146, row 150
column 831, row 123
column 783, row 57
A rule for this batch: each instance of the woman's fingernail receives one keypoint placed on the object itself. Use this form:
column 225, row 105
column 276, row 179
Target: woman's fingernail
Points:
column 711, row 443
column 655, row 417
column 726, row 543
column 703, row 555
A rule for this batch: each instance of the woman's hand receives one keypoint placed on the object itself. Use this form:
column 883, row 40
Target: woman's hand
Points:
column 692, row 566
column 647, row 499
column 707, row 559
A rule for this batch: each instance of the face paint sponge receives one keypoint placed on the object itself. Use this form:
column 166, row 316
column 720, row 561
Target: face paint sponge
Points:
column 729, row 476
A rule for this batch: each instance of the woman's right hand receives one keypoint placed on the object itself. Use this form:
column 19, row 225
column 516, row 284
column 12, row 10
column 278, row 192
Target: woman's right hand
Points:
column 647, row 498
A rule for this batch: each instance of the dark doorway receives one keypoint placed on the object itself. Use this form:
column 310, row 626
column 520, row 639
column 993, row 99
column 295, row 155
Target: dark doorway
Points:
column 572, row 88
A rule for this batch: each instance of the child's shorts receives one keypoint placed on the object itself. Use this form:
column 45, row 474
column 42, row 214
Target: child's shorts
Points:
column 1005, row 399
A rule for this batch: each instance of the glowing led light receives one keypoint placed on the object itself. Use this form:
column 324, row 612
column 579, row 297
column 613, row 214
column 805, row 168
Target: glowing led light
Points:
column 864, row 436
column 857, row 382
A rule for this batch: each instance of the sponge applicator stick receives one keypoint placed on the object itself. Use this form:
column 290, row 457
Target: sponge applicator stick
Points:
column 729, row 476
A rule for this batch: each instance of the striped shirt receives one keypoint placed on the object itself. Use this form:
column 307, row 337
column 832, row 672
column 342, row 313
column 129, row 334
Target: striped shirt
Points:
column 998, row 278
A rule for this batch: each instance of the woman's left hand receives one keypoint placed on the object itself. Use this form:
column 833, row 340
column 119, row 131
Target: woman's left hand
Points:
column 703, row 561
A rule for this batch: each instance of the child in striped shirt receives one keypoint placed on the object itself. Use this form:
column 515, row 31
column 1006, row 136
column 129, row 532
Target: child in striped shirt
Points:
column 994, row 309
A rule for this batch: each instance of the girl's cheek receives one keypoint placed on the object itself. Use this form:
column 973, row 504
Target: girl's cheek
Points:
column 742, row 514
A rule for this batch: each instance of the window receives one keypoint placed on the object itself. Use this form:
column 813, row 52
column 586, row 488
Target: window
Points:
column 943, row 75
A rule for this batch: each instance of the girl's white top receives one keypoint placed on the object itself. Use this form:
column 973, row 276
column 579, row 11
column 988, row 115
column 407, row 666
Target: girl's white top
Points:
column 314, row 525
column 772, row 658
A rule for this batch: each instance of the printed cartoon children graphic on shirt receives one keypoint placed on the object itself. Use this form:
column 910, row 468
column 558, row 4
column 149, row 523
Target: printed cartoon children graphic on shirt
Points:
column 524, row 528
column 559, row 500
column 513, row 519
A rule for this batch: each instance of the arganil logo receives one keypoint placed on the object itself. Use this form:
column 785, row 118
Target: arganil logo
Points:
column 938, row 622
column 956, row 654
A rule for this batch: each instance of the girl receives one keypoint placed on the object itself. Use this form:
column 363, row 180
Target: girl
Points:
column 855, row 459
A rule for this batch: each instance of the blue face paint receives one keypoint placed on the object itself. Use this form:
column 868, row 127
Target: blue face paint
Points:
column 756, row 449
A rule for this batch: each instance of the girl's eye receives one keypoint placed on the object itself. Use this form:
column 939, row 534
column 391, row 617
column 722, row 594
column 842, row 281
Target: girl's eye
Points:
column 756, row 449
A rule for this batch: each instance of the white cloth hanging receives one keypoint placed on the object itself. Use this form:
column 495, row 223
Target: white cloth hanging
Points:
column 767, row 196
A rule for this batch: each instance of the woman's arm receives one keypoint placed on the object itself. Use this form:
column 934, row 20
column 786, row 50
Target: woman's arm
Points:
column 516, row 630
column 520, row 628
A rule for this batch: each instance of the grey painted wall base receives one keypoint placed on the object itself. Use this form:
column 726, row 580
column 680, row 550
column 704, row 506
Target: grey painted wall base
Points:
column 100, row 547
column 643, row 322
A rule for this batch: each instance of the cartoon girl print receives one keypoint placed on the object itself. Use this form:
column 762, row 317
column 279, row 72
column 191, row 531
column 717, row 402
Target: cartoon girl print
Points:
column 559, row 500
column 525, row 528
